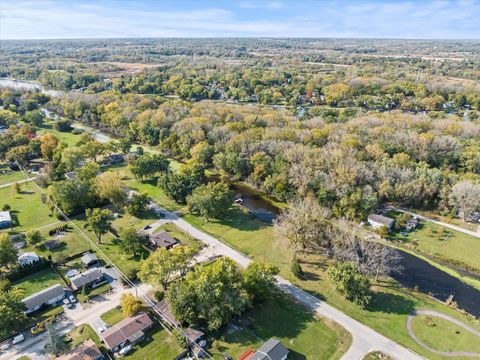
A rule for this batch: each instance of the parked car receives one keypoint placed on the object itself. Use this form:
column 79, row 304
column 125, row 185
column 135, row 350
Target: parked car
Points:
column 5, row 347
column 18, row 339
column 72, row 299
column 67, row 303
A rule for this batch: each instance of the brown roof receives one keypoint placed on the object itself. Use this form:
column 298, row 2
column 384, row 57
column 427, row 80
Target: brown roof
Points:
column 125, row 330
column 86, row 351
column 162, row 239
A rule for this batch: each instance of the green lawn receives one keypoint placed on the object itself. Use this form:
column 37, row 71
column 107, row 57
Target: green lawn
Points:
column 81, row 334
column 90, row 293
column 113, row 316
column 445, row 244
column 443, row 335
column 158, row 344
column 390, row 306
column 179, row 235
column 67, row 137
column 38, row 281
column 27, row 209
column 8, row 176
column 307, row 338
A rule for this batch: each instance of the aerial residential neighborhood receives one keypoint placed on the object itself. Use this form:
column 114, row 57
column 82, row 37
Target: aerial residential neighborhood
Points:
column 239, row 180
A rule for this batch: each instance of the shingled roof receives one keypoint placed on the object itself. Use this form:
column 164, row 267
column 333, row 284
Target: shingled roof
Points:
column 86, row 351
column 42, row 297
column 126, row 329
column 86, row 278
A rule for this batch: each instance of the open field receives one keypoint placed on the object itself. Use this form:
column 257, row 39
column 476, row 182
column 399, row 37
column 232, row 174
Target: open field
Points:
column 27, row 209
column 443, row 335
column 7, row 176
column 305, row 337
column 390, row 304
column 38, row 281
column 67, row 137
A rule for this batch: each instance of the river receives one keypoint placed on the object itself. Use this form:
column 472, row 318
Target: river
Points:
column 416, row 273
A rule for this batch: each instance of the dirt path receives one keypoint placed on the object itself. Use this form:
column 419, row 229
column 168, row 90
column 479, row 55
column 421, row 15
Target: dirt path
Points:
column 448, row 318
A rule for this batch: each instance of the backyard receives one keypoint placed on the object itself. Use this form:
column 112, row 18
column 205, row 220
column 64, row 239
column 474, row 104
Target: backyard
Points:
column 305, row 336
column 38, row 281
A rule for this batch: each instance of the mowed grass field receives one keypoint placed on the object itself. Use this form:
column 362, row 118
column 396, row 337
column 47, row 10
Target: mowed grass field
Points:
column 38, row 281
column 306, row 337
column 443, row 335
column 390, row 304
column 66, row 137
column 27, row 209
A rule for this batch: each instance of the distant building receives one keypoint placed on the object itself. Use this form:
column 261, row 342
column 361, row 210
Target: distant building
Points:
column 85, row 351
column 49, row 296
column 129, row 331
column 87, row 278
column 5, row 220
column 162, row 239
column 116, row 158
column 89, row 259
column 379, row 221
column 28, row 258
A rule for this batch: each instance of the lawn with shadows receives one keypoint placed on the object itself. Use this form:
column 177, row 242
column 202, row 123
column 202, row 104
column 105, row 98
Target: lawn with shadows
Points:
column 67, row 137
column 305, row 336
column 38, row 281
column 113, row 316
column 81, row 334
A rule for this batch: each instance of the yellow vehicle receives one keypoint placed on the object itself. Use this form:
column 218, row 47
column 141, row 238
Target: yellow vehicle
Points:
column 40, row 327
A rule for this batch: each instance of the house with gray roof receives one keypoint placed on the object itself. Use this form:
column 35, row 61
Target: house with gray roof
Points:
column 271, row 350
column 162, row 239
column 378, row 221
column 48, row 296
column 89, row 259
column 87, row 278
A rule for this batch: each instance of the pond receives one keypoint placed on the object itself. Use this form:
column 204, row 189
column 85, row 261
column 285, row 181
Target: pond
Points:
column 418, row 273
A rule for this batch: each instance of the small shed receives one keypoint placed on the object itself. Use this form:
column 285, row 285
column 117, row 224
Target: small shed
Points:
column 89, row 259
column 5, row 220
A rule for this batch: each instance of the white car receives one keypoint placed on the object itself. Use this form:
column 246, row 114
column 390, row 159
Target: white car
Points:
column 5, row 347
column 18, row 339
column 125, row 350
column 72, row 299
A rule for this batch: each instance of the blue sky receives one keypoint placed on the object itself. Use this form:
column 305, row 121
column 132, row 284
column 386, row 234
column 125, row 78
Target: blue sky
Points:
column 424, row 19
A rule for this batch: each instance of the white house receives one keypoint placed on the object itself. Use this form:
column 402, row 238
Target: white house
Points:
column 28, row 258
column 48, row 296
column 379, row 221
column 5, row 220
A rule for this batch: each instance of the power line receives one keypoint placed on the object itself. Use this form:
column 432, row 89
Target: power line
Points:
column 166, row 321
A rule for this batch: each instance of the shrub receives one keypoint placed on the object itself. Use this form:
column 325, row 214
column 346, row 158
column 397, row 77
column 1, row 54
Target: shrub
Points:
column 296, row 269
column 159, row 295
column 181, row 341
column 4, row 285
column 6, row 207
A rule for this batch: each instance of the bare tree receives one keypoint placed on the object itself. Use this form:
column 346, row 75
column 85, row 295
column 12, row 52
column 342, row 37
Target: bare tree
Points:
column 466, row 196
column 304, row 225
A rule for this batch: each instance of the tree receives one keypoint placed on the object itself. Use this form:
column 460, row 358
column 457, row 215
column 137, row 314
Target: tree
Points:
column 8, row 252
column 130, row 304
column 93, row 149
column 211, row 200
column 17, row 188
column 100, row 221
column 304, row 225
column 36, row 118
column 110, row 187
column 137, row 203
column 466, row 197
column 212, row 293
column 12, row 310
column 33, row 237
column 130, row 241
column 147, row 165
column 55, row 343
column 125, row 144
column 350, row 282
column 48, row 144
column 163, row 264
column 88, row 171
column 72, row 196
column 63, row 125
column 259, row 280
column 178, row 185
column 20, row 154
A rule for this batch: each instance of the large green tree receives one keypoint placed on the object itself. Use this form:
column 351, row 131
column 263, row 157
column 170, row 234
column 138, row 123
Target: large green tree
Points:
column 130, row 241
column 210, row 200
column 100, row 221
column 259, row 280
column 178, row 185
column 8, row 252
column 11, row 308
column 147, row 165
column 350, row 282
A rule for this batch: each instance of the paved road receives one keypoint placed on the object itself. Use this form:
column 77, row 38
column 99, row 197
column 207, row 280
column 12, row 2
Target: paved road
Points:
column 365, row 339
column 446, row 317
column 441, row 223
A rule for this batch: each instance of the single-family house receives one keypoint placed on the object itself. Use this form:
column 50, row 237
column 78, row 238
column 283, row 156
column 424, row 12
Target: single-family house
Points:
column 167, row 314
column 89, row 259
column 271, row 350
column 378, row 221
column 85, row 351
column 87, row 278
column 5, row 220
column 48, row 296
column 129, row 331
column 28, row 258
column 162, row 239
column 116, row 158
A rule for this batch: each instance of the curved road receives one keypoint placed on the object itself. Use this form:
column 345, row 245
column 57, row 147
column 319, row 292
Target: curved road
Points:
column 365, row 339
column 445, row 317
